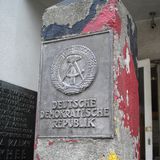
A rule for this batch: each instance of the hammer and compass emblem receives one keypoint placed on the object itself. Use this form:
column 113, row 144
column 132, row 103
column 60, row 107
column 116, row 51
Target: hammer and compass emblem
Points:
column 74, row 70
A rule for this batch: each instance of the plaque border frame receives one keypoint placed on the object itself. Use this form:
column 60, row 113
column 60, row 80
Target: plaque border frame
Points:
column 65, row 38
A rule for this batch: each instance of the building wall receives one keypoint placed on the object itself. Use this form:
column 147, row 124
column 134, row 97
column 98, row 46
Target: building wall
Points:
column 20, row 42
column 148, row 40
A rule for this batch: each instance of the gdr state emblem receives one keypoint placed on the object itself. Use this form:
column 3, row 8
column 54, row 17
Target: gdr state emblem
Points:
column 74, row 70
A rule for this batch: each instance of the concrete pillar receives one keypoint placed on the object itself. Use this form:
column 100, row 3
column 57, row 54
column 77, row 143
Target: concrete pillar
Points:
column 90, row 16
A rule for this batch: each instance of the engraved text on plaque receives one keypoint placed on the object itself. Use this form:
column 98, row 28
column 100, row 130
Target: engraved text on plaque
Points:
column 76, row 87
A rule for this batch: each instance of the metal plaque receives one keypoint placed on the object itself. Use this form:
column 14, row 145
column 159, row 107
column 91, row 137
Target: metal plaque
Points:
column 76, row 87
column 17, row 122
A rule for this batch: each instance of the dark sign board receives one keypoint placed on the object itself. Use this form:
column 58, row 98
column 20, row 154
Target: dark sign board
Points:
column 17, row 122
column 76, row 91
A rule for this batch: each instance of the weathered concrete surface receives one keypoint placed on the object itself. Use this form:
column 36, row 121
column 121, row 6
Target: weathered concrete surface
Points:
column 100, row 15
column 148, row 40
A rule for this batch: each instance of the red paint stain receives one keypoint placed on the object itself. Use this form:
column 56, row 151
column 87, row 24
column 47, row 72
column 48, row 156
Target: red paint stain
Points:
column 138, row 151
column 50, row 143
column 128, row 82
column 108, row 17
column 36, row 143
column 71, row 140
column 35, row 146
column 37, row 156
